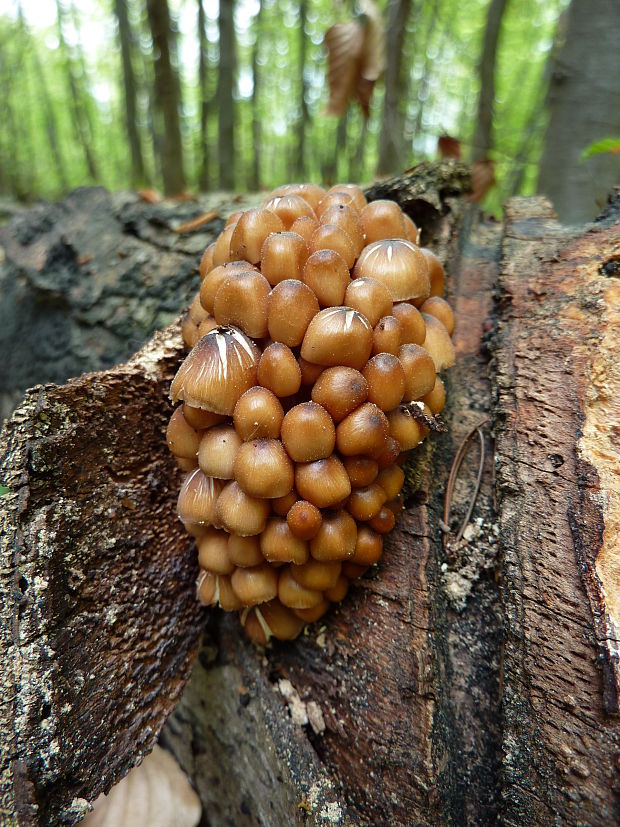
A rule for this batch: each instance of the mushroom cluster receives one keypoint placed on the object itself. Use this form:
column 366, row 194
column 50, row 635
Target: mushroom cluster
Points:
column 316, row 342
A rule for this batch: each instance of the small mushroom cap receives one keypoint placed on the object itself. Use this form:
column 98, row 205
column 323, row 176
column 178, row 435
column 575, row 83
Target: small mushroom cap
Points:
column 283, row 257
column 419, row 370
column 213, row 552
column 295, row 596
column 331, row 237
column 336, row 538
column 338, row 591
column 414, row 329
column 370, row 297
column 440, row 309
column 308, row 432
column 217, row 451
column 278, row 370
column 279, row 545
column 317, row 575
column 182, row 439
column 324, row 483
column 304, row 519
column 399, row 265
column 263, row 469
column 245, row 551
column 289, row 207
column 269, row 620
column 438, row 343
column 362, row 432
column 338, row 336
column 368, row 547
column 239, row 513
column 436, row 272
column 257, row 584
column 217, row 371
column 340, row 390
column 365, row 503
column 242, row 301
column 198, row 498
column 258, row 414
column 292, row 306
column 387, row 336
column 250, row 232
column 382, row 219
column 326, row 273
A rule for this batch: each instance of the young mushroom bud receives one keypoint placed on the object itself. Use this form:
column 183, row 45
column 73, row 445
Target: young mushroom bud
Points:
column 327, row 275
column 198, row 498
column 387, row 336
column 269, row 620
column 438, row 343
column 217, row 277
column 362, row 471
column 368, row 547
column 436, row 399
column 384, row 521
column 331, row 237
column 292, row 306
column 339, row 591
column 336, row 199
column 245, row 551
column 239, row 513
column 382, row 219
column 279, row 371
column 365, row 503
column 217, row 451
column 293, row 595
column 414, row 329
column 258, row 414
column 419, row 371
column 283, row 257
column 324, row 483
column 216, row 590
column 338, row 336
column 317, row 575
column 362, row 432
column 386, row 381
column 353, row 191
column 340, row 215
column 250, row 232
column 213, row 552
column 399, row 265
column 217, row 371
column 257, row 584
column 182, row 439
column 404, row 428
column 221, row 251
column 391, row 480
column 370, row 297
column 435, row 271
column 289, row 208
column 336, row 538
column 305, row 227
column 440, row 309
column 312, row 194
column 304, row 519
column 279, row 545
column 206, row 262
column 242, row 301
column 263, row 469
column 308, row 432
column 340, row 390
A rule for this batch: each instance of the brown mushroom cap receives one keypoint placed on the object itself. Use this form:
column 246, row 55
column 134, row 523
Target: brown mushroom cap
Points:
column 435, row 271
column 263, row 469
column 295, row 596
column 438, row 343
column 326, row 273
column 398, row 264
column 382, row 219
column 198, row 498
column 182, row 439
column 245, row 551
column 419, row 371
column 289, row 207
column 278, row 370
column 338, row 336
column 239, row 513
column 386, row 381
column 256, row 584
column 362, row 432
column 304, row 519
column 279, row 545
column 213, row 552
column 440, row 309
column 242, row 301
column 283, row 257
column 324, row 483
column 217, row 371
column 308, row 432
column 217, row 451
column 387, row 336
column 370, row 296
column 250, row 232
column 257, row 414
column 292, row 306
column 340, row 390
column 336, row 538
column 317, row 575
column 414, row 329
column 331, row 237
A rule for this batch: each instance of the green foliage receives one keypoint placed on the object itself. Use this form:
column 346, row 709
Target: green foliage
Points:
column 605, row 145
column 3, row 490
column 40, row 149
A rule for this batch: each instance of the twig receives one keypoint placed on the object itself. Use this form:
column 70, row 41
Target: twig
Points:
column 456, row 466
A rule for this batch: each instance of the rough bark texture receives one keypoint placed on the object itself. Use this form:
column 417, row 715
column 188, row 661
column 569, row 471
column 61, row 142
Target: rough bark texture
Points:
column 459, row 685
column 584, row 81
column 558, row 463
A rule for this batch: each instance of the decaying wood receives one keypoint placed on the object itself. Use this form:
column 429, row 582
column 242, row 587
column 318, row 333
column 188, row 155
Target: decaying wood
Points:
column 451, row 686
column 98, row 618
column 558, row 464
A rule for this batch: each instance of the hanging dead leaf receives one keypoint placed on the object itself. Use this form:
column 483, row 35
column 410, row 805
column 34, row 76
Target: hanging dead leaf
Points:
column 156, row 793
column 150, row 196
column 449, row 147
column 356, row 59
column 482, row 178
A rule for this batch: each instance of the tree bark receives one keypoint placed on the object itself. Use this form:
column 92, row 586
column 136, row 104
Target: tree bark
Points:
column 203, row 61
column 225, row 95
column 80, row 118
column 584, row 81
column 391, row 138
column 138, row 175
column 483, row 135
column 466, row 684
column 254, row 183
column 304, row 115
column 167, row 97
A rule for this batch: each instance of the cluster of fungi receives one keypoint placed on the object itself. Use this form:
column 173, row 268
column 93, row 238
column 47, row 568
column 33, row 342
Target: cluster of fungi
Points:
column 316, row 340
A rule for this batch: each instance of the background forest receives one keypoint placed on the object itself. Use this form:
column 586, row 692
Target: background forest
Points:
column 198, row 95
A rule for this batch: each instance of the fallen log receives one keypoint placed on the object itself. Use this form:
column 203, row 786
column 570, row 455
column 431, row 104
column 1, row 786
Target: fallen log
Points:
column 437, row 692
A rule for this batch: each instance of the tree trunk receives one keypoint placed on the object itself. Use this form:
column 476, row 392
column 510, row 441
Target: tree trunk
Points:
column 391, row 138
column 203, row 62
column 254, row 183
column 167, row 97
column 225, row 95
column 483, row 135
column 304, row 115
column 584, row 106
column 472, row 683
column 80, row 118
column 138, row 175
